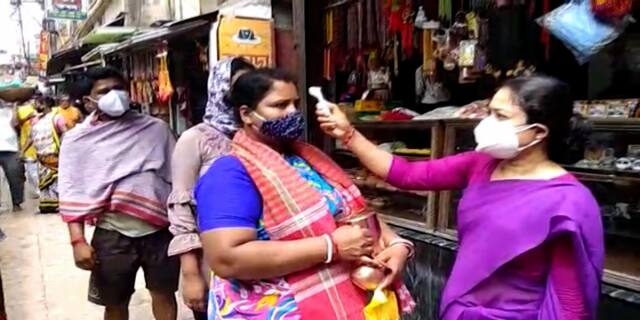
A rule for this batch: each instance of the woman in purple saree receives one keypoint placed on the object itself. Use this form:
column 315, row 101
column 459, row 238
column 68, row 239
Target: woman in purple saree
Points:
column 530, row 234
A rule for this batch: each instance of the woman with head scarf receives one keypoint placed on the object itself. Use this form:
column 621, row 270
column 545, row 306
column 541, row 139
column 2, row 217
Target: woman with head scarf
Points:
column 196, row 149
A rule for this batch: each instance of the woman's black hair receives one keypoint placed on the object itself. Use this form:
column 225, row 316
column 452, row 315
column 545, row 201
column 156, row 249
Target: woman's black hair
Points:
column 47, row 101
column 253, row 86
column 548, row 101
column 240, row 64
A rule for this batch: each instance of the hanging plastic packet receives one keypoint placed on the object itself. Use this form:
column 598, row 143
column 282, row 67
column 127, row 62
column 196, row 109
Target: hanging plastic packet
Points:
column 467, row 53
column 576, row 26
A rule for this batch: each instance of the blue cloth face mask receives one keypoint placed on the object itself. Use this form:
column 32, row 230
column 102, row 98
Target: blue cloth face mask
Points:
column 285, row 129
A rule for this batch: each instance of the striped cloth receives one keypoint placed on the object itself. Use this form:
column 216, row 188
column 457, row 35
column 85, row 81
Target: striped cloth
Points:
column 292, row 210
column 119, row 166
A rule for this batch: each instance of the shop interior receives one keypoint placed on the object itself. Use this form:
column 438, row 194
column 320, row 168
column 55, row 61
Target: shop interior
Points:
column 415, row 76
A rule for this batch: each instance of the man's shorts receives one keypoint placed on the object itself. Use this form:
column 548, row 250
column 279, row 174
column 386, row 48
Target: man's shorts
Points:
column 119, row 257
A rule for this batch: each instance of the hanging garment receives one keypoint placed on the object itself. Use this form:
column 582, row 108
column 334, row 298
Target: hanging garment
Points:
column 352, row 27
column 611, row 9
column 395, row 16
column 407, row 30
column 445, row 11
column 165, row 88
column 506, row 43
column 371, row 31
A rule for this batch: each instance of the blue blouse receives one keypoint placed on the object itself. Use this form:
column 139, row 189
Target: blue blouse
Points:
column 226, row 196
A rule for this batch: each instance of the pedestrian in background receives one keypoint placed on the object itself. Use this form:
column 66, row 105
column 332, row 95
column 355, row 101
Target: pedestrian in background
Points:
column 26, row 113
column 196, row 149
column 10, row 154
column 115, row 171
column 70, row 113
column 46, row 134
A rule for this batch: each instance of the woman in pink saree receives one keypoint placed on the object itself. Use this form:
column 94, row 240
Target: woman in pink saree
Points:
column 530, row 234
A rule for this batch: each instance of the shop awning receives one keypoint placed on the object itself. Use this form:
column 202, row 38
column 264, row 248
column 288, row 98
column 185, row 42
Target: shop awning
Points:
column 74, row 55
column 81, row 67
column 166, row 32
column 98, row 52
column 103, row 35
column 66, row 58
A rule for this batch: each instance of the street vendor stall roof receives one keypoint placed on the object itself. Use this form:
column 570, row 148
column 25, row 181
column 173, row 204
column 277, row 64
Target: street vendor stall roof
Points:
column 98, row 52
column 168, row 31
column 66, row 57
column 103, row 35
column 73, row 55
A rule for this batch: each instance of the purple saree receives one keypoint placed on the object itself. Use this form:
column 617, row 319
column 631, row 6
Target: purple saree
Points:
column 499, row 221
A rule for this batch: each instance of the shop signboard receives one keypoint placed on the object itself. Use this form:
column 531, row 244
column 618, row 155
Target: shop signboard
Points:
column 43, row 52
column 67, row 9
column 248, row 38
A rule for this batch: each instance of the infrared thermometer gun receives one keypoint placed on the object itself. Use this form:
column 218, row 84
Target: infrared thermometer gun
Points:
column 323, row 104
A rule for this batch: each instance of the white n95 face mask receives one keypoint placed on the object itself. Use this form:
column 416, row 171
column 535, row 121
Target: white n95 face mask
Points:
column 499, row 139
column 115, row 103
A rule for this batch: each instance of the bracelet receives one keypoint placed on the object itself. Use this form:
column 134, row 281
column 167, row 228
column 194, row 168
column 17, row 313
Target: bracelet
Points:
column 327, row 240
column 406, row 243
column 78, row 241
column 349, row 136
column 335, row 247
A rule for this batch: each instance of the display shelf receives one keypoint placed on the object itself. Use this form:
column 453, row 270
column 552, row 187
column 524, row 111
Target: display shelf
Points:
column 621, row 279
column 406, row 208
column 402, row 220
column 623, row 234
column 346, row 152
column 377, row 183
column 615, row 124
column 603, row 175
column 401, row 124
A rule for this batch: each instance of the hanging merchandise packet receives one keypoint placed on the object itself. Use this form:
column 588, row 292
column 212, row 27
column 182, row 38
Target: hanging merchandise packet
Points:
column 576, row 26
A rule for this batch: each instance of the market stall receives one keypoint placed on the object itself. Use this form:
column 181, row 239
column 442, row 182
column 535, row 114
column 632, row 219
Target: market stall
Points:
column 166, row 68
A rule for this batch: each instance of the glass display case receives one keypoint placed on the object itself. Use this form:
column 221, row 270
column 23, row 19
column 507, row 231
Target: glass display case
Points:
column 610, row 169
column 415, row 140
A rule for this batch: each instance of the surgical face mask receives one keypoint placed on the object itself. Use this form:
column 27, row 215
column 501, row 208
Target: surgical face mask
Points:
column 285, row 129
column 115, row 103
column 499, row 139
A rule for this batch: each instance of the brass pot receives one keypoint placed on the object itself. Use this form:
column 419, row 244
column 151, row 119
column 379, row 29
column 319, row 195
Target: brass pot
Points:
column 367, row 278
column 365, row 220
